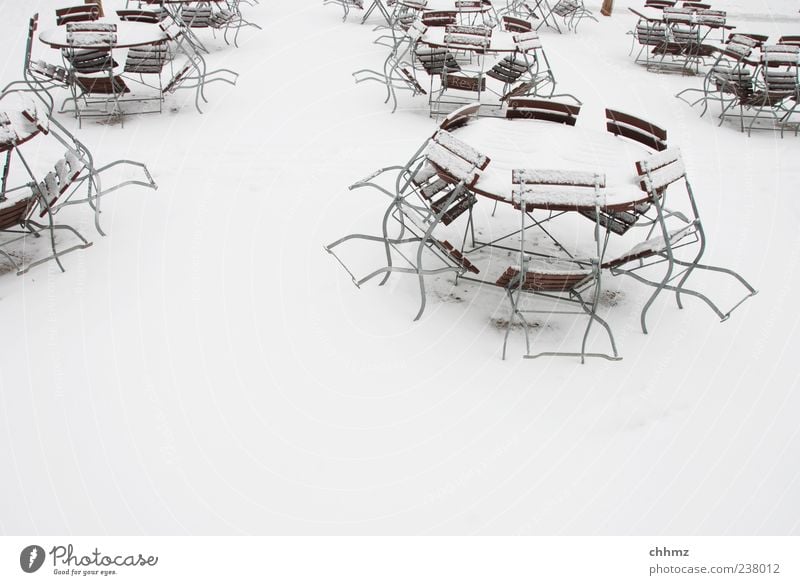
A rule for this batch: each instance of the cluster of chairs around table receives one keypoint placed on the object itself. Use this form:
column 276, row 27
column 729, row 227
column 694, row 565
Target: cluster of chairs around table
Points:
column 454, row 60
column 751, row 79
column 156, row 35
column 162, row 53
column 31, row 204
column 441, row 183
column 557, row 15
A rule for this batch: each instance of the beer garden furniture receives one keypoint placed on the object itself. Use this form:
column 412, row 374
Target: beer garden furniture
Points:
column 29, row 204
column 553, row 172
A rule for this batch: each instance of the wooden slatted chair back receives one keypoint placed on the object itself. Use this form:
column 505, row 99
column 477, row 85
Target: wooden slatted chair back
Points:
column 146, row 16
column 556, row 189
column 197, row 16
column 711, row 18
column 660, row 4
column 547, row 110
column 463, row 82
column 659, row 171
column 459, row 117
column 516, row 25
column 642, row 131
column 757, row 39
column 454, row 160
column 439, row 18
column 82, row 13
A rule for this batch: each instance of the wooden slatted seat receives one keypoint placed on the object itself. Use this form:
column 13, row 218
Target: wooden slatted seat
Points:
column 457, row 256
column 510, row 68
column 147, row 60
column 437, row 60
column 562, row 280
column 102, row 85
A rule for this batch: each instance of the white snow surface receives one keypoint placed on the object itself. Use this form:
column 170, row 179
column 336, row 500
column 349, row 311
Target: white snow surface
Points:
column 207, row 368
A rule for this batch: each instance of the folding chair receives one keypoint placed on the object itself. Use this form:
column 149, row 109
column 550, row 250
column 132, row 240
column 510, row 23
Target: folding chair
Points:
column 461, row 86
column 346, row 5
column 382, row 8
column 647, row 134
column 656, row 175
column 727, row 77
column 145, row 66
column 651, row 35
column 521, row 66
column 572, row 12
column 397, row 71
column 22, row 207
column 541, row 11
column 566, row 280
column 776, row 91
column 97, row 89
column 454, row 164
column 537, row 80
column 193, row 73
column 39, row 76
column 79, row 157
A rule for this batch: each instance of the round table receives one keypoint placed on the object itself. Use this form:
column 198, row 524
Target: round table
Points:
column 541, row 145
column 129, row 35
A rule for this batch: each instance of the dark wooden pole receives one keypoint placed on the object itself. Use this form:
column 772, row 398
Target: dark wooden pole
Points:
column 608, row 6
column 99, row 5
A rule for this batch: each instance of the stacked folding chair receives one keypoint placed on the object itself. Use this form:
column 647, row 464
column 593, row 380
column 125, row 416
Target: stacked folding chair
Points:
column 676, row 230
column 564, row 280
column 398, row 71
column 432, row 189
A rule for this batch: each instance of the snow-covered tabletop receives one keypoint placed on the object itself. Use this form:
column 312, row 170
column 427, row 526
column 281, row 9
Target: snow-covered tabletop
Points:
column 534, row 144
column 129, row 34
column 445, row 5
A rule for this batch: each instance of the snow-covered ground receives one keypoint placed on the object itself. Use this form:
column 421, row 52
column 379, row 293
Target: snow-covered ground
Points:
column 208, row 368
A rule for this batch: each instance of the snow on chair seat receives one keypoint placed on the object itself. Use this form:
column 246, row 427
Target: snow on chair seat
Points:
column 16, row 208
column 455, row 160
column 56, row 183
column 654, row 246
